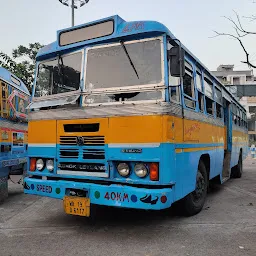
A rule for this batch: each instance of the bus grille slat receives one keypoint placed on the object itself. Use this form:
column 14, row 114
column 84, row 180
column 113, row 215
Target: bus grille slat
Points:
column 88, row 140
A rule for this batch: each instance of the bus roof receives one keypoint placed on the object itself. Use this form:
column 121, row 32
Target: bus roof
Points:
column 121, row 29
column 13, row 80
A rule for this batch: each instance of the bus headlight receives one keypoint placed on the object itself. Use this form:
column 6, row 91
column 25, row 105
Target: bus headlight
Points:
column 39, row 164
column 49, row 165
column 141, row 170
column 123, row 169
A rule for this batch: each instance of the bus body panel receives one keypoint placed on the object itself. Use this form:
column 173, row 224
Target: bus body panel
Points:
column 166, row 132
column 176, row 143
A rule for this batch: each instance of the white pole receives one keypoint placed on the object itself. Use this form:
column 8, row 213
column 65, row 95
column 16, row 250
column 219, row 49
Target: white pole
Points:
column 73, row 13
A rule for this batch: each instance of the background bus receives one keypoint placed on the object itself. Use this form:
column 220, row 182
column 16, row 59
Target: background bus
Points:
column 124, row 123
column 14, row 98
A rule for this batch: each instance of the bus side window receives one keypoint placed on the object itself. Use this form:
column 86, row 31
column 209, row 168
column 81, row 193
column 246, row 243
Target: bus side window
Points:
column 208, row 88
column 188, row 86
column 218, row 110
column 174, row 91
column 219, row 102
column 200, row 90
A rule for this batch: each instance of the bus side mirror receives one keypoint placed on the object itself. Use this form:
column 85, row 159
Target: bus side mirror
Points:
column 177, row 54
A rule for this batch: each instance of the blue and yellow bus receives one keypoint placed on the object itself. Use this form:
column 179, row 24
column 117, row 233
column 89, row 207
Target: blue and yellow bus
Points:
column 14, row 98
column 124, row 115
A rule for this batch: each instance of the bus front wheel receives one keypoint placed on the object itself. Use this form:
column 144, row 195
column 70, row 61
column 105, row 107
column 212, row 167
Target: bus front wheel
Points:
column 194, row 202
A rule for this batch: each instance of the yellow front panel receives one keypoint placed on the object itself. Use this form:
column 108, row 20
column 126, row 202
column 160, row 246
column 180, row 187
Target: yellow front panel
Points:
column 42, row 131
column 135, row 129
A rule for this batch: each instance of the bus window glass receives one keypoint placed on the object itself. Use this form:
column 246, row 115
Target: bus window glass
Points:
column 201, row 101
column 218, row 110
column 218, row 95
column 174, row 93
column 132, row 96
column 59, row 75
column 110, row 67
column 199, row 82
column 188, row 84
column 174, row 90
column 189, row 103
column 208, row 88
column 209, row 106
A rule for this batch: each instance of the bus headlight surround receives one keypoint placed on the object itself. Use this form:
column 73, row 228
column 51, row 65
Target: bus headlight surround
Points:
column 50, row 165
column 123, row 169
column 141, row 170
column 39, row 164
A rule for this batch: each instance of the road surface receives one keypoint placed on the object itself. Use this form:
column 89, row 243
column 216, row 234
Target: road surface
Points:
column 31, row 225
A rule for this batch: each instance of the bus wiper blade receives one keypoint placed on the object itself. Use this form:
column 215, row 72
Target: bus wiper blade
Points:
column 60, row 70
column 128, row 56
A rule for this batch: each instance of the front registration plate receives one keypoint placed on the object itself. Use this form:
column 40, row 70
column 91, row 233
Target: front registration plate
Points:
column 77, row 205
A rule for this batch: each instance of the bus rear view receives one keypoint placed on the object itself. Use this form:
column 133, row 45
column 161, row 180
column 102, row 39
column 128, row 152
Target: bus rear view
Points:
column 107, row 124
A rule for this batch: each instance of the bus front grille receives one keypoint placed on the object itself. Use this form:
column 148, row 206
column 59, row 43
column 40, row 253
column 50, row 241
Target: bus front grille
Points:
column 87, row 140
column 93, row 154
column 69, row 153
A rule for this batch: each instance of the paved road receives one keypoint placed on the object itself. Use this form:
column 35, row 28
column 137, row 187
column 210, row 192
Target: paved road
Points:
column 31, row 225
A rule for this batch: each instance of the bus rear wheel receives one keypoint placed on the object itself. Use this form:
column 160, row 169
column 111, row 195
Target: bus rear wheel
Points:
column 194, row 202
column 238, row 169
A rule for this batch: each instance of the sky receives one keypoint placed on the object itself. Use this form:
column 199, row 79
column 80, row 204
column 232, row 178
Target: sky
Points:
column 193, row 22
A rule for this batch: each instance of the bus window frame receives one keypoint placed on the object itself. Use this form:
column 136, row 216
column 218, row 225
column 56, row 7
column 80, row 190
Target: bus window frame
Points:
column 185, row 96
column 216, row 87
column 208, row 77
column 199, row 72
column 126, row 88
column 59, row 95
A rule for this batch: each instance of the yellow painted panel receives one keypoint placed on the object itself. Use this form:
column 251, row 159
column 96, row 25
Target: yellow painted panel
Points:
column 135, row 129
column 200, row 149
column 192, row 130
column 172, row 129
column 225, row 137
column 43, row 131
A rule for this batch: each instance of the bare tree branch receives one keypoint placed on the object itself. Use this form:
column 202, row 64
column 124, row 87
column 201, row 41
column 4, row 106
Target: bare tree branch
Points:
column 238, row 25
column 248, row 62
column 239, row 33
column 251, row 18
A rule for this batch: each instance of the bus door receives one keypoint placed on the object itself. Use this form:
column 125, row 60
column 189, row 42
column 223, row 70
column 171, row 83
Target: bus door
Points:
column 228, row 138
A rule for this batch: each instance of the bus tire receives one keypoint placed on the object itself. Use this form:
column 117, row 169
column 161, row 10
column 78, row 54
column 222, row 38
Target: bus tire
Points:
column 194, row 202
column 238, row 169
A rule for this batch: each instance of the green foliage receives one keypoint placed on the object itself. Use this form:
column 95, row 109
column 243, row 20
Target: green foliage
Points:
column 22, row 62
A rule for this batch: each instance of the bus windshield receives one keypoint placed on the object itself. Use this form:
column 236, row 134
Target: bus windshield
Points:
column 59, row 75
column 124, row 64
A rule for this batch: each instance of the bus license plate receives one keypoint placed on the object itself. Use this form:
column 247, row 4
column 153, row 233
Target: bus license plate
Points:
column 77, row 206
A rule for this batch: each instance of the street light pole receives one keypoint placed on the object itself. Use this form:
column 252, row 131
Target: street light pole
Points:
column 73, row 13
column 74, row 4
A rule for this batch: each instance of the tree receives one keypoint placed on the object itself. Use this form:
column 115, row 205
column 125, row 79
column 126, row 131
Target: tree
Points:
column 240, row 32
column 22, row 63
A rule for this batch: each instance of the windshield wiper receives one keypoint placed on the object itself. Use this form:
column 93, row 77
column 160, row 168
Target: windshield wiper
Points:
column 60, row 70
column 128, row 56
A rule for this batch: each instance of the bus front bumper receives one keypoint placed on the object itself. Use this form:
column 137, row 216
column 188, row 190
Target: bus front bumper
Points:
column 109, row 195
